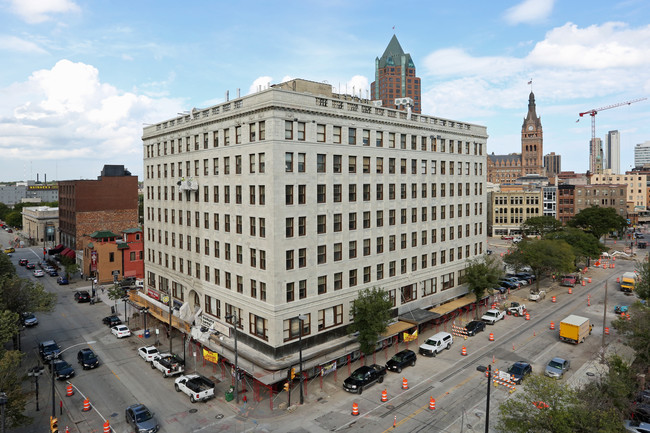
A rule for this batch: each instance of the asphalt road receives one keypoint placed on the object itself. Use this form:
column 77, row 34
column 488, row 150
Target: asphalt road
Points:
column 450, row 378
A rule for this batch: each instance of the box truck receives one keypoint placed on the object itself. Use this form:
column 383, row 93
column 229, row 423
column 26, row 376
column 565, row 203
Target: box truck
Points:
column 574, row 329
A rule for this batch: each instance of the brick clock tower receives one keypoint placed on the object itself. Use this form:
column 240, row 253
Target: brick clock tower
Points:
column 532, row 141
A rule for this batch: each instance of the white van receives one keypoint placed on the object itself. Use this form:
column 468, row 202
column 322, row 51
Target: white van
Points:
column 435, row 344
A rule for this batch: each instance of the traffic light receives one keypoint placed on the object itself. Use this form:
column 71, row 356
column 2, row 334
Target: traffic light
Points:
column 286, row 386
column 54, row 425
column 293, row 373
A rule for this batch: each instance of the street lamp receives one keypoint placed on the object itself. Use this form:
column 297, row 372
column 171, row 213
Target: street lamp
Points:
column 3, row 402
column 301, row 318
column 235, row 319
column 483, row 369
column 35, row 372
column 52, row 370
column 144, row 315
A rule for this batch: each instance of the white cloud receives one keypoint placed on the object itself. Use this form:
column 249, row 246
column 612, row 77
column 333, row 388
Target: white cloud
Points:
column 529, row 11
column 38, row 11
column 13, row 43
column 260, row 82
column 454, row 62
column 357, row 85
column 67, row 111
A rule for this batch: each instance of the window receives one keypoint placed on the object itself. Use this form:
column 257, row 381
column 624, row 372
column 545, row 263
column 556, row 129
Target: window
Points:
column 320, row 163
column 320, row 193
column 366, row 137
column 352, row 136
column 288, row 162
column 352, row 164
column 301, row 163
column 290, row 292
column 288, row 130
column 289, row 259
column 338, row 222
column 288, row 194
column 289, row 227
column 336, row 165
column 322, row 254
column 338, row 252
column 380, row 165
column 336, row 134
column 322, row 284
column 321, row 224
column 301, row 131
column 366, row 164
column 302, row 226
column 352, row 249
column 352, row 221
column 337, row 192
column 302, row 194
column 320, row 133
column 352, row 193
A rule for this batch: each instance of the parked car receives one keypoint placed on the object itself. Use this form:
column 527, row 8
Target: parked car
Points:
column 121, row 331
column 474, row 327
column 568, row 280
column 618, row 309
column 111, row 321
column 87, row 358
column 510, row 283
column 62, row 281
column 28, row 319
column 148, row 352
column 557, row 367
column 198, row 387
column 506, row 237
column 23, row 262
column 10, row 250
column 53, row 273
column 519, row 370
column 536, row 296
column 400, row 360
column 169, row 364
column 436, row 343
column 48, row 349
column 62, row 370
column 364, row 377
column 141, row 419
column 636, row 426
column 641, row 412
column 500, row 289
column 492, row 316
column 82, row 296
column 38, row 273
column 30, row 266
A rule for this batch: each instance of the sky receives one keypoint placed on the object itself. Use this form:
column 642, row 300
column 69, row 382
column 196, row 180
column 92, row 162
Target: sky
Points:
column 80, row 78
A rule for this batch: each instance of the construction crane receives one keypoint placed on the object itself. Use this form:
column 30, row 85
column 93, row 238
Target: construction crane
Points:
column 593, row 151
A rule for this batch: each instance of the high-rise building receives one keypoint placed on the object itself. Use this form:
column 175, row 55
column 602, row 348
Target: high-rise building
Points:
column 552, row 164
column 282, row 204
column 642, row 154
column 395, row 78
column 596, row 156
column 613, row 152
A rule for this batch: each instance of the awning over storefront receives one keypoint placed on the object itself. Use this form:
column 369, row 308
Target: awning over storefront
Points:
column 418, row 316
column 70, row 253
column 454, row 305
column 396, row 328
column 56, row 250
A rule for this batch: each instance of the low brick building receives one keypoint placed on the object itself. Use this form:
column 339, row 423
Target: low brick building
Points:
column 110, row 257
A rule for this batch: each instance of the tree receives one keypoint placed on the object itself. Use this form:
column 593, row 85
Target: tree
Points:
column 636, row 331
column 544, row 256
column 371, row 312
column 562, row 411
column 642, row 288
column 482, row 274
column 583, row 244
column 7, row 268
column 4, row 211
column 14, row 219
column 20, row 295
column 541, row 225
column 10, row 383
column 598, row 221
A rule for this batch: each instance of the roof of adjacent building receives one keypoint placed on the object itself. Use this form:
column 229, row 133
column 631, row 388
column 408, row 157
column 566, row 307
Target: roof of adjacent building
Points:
column 392, row 55
column 133, row 230
column 505, row 158
column 101, row 234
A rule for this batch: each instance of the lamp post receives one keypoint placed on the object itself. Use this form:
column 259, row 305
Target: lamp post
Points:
column 301, row 318
column 235, row 319
column 125, row 299
column 144, row 315
column 483, row 369
column 35, row 372
column 52, row 371
column 3, row 402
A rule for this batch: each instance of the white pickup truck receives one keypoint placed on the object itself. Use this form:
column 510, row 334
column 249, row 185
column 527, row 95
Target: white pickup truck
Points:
column 168, row 363
column 492, row 316
column 198, row 387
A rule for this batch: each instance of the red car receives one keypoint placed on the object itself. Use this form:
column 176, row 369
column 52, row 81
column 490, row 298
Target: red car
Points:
column 507, row 238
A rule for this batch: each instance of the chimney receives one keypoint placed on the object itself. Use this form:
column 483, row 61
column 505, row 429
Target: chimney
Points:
column 238, row 93
column 227, row 95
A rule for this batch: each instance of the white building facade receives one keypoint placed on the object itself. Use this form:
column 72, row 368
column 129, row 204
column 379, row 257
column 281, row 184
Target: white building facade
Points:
column 281, row 203
column 642, row 154
column 613, row 152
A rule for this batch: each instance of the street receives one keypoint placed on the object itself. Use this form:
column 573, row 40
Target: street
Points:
column 459, row 390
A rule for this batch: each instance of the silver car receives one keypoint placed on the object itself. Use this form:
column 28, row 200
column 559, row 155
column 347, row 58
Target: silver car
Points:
column 557, row 367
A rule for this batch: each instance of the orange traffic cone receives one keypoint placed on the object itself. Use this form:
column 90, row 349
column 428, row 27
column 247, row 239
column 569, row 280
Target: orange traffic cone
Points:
column 553, row 299
column 463, row 351
column 70, row 391
column 355, row 409
column 432, row 403
column 570, row 290
column 107, row 427
column 552, row 326
column 491, row 337
column 86, row 405
column 395, row 421
column 405, row 383
column 606, row 330
column 527, row 316
column 384, row 395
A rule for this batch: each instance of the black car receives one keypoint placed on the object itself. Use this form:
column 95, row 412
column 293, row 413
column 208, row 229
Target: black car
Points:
column 48, row 350
column 508, row 284
column 53, row 273
column 82, row 296
column 400, row 360
column 363, row 377
column 23, row 262
column 141, row 419
column 519, row 370
column 30, row 266
column 111, row 321
column 500, row 289
column 474, row 327
column 62, row 370
column 87, row 358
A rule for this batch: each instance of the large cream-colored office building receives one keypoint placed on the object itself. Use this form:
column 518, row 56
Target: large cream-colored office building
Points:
column 636, row 187
column 289, row 201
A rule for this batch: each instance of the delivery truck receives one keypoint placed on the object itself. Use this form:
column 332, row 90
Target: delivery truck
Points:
column 574, row 329
column 628, row 282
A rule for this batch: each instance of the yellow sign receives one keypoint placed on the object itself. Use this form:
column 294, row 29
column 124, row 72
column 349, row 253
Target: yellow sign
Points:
column 210, row 356
column 165, row 299
column 410, row 337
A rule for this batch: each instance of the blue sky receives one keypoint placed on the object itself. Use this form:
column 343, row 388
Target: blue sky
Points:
column 79, row 78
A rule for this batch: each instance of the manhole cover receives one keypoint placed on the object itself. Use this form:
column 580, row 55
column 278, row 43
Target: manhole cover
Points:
column 193, row 410
column 590, row 373
column 219, row 416
column 114, row 414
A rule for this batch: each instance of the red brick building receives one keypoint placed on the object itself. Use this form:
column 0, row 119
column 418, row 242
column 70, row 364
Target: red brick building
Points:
column 395, row 78
column 110, row 257
column 108, row 203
